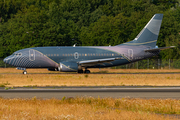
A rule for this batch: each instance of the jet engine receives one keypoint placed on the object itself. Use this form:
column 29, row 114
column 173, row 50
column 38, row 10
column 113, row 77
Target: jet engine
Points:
column 52, row 69
column 68, row 67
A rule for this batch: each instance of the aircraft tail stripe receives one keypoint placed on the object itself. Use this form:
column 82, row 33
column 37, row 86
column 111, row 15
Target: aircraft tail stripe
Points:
column 140, row 43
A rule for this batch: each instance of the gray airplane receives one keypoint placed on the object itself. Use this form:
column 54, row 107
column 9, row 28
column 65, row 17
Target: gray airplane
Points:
column 75, row 59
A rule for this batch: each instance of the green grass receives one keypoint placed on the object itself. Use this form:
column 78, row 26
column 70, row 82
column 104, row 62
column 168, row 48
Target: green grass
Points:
column 4, row 84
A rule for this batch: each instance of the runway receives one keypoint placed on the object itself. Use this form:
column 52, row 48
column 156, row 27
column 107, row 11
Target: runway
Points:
column 146, row 92
column 101, row 73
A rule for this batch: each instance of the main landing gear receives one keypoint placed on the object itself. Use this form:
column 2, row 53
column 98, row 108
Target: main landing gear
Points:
column 80, row 71
column 86, row 71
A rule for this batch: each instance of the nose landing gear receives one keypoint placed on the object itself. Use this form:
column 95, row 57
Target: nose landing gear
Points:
column 24, row 72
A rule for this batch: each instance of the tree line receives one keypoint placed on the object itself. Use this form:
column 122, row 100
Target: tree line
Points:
column 35, row 23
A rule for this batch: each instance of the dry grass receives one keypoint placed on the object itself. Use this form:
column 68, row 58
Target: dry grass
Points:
column 13, row 80
column 88, row 108
column 103, row 70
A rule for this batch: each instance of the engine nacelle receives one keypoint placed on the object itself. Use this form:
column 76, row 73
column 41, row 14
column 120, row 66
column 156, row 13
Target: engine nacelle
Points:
column 52, row 69
column 68, row 67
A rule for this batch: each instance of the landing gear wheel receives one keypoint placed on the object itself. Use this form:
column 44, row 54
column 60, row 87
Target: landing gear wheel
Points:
column 87, row 71
column 24, row 72
column 80, row 71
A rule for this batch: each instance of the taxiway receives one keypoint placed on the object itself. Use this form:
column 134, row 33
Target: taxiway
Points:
column 147, row 92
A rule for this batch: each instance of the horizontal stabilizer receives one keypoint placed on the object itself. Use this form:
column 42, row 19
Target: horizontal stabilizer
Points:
column 157, row 49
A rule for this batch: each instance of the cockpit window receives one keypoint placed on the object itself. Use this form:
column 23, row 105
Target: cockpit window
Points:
column 17, row 54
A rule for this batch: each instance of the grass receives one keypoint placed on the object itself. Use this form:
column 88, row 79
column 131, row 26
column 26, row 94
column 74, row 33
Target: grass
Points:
column 73, row 79
column 4, row 84
column 103, row 70
column 88, row 108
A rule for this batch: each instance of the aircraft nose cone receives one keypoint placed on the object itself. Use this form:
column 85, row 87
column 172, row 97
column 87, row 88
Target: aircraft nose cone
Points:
column 5, row 60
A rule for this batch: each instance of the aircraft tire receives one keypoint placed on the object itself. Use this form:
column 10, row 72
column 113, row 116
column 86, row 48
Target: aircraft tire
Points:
column 87, row 71
column 80, row 71
column 24, row 72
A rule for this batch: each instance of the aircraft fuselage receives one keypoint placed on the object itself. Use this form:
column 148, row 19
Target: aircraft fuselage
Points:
column 50, row 57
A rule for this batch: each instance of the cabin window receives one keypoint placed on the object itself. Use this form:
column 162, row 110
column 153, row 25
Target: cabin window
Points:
column 79, row 54
column 57, row 54
column 85, row 54
column 54, row 54
column 17, row 54
column 71, row 55
column 82, row 54
column 104, row 54
column 112, row 54
column 68, row 54
column 65, row 54
column 91, row 54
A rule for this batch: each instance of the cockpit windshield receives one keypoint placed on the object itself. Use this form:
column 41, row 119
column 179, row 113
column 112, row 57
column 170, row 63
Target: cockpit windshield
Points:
column 17, row 54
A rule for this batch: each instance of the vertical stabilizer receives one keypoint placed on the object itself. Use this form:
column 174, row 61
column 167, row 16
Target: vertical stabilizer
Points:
column 149, row 34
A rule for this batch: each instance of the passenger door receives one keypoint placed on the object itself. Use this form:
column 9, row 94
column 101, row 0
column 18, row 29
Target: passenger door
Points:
column 130, row 54
column 31, row 55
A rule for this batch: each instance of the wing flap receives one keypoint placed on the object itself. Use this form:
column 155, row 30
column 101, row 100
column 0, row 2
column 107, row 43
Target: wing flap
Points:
column 97, row 61
column 158, row 49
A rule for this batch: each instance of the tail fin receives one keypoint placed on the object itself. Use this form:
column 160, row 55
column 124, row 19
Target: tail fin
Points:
column 149, row 34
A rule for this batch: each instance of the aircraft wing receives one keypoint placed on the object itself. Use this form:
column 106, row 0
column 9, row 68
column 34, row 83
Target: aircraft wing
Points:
column 157, row 49
column 97, row 61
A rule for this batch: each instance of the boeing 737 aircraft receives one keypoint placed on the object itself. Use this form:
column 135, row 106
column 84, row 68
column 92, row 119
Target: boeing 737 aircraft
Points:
column 75, row 59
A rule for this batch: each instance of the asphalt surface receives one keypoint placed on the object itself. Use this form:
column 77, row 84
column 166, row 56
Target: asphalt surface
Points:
column 147, row 92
